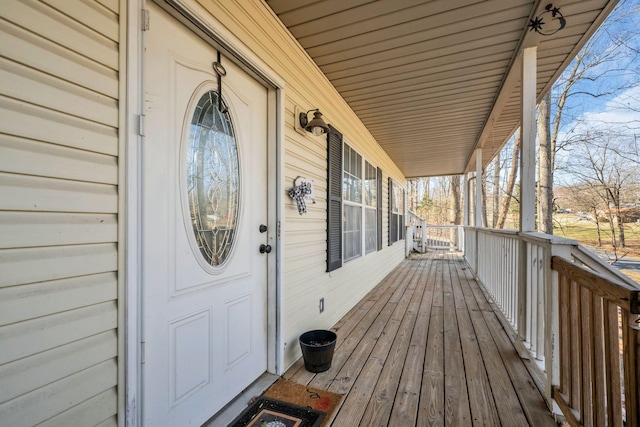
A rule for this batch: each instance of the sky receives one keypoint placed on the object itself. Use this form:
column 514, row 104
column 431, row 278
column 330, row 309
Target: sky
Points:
column 608, row 97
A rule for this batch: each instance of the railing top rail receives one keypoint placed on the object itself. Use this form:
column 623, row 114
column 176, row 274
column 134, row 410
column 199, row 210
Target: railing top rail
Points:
column 619, row 293
column 495, row 231
column 443, row 226
column 587, row 257
column 534, row 236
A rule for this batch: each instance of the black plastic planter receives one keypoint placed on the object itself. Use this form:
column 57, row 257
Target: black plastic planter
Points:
column 317, row 349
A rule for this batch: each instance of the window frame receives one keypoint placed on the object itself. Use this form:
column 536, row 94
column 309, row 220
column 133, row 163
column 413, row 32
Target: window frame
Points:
column 368, row 172
column 397, row 214
column 335, row 177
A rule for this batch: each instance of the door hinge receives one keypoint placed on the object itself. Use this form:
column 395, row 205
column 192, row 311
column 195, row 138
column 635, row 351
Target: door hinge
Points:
column 145, row 19
column 142, row 353
column 278, row 230
column 141, row 123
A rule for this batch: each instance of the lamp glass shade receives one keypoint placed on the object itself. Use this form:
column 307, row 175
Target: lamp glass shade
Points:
column 317, row 126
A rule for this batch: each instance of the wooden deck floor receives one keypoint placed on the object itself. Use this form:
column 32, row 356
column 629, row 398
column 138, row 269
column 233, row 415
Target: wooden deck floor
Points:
column 425, row 348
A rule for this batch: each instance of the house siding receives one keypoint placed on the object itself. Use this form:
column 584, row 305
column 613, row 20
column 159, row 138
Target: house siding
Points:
column 59, row 118
column 304, row 278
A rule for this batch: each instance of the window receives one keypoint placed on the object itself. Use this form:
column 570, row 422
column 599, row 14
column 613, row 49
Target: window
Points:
column 396, row 212
column 370, row 208
column 360, row 198
column 354, row 203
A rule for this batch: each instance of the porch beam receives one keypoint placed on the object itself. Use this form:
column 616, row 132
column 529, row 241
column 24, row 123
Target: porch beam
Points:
column 528, row 135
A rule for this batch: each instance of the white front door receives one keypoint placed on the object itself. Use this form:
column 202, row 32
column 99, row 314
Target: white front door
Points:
column 204, row 280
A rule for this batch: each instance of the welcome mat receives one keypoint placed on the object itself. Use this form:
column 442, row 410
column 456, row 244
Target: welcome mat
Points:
column 302, row 395
column 266, row 412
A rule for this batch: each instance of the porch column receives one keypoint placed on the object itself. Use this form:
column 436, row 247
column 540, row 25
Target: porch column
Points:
column 528, row 135
column 465, row 219
column 479, row 201
column 527, row 177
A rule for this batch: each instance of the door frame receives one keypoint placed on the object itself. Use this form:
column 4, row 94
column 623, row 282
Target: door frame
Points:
column 194, row 17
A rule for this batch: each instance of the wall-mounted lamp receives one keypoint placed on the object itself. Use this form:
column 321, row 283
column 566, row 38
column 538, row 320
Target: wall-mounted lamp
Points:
column 316, row 126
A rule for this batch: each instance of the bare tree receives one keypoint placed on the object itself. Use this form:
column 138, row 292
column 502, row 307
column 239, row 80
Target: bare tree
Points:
column 496, row 189
column 508, row 193
column 600, row 70
column 455, row 199
column 545, row 163
column 606, row 163
column 586, row 198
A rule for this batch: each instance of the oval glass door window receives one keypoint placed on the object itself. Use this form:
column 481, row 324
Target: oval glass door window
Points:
column 213, row 179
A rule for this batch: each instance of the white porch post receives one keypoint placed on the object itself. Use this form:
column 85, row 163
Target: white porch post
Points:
column 467, row 209
column 527, row 176
column 528, row 135
column 478, row 216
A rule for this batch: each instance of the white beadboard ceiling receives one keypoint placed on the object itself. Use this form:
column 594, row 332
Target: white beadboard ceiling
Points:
column 434, row 79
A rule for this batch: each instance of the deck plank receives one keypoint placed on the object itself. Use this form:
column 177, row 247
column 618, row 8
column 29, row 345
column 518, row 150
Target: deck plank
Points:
column 431, row 406
column 405, row 408
column 378, row 409
column 353, row 408
column 457, row 412
column 426, row 348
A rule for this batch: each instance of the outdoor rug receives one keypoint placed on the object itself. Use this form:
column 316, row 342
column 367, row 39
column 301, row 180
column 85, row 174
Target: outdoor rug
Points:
column 303, row 399
column 266, row 412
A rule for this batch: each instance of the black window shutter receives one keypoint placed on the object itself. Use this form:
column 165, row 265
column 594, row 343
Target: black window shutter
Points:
column 379, row 200
column 334, row 199
column 393, row 230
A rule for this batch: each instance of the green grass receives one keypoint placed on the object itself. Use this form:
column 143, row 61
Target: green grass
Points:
column 585, row 232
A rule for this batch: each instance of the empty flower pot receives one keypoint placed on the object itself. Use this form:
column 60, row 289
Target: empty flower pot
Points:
column 317, row 349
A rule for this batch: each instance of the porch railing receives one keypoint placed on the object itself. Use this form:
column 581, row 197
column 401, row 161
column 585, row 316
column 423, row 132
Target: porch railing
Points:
column 443, row 237
column 565, row 307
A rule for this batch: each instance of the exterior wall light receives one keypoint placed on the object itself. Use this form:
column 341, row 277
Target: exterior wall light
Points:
column 316, row 126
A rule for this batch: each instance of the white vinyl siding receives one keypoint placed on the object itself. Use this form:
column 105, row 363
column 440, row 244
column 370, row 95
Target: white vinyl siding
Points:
column 59, row 118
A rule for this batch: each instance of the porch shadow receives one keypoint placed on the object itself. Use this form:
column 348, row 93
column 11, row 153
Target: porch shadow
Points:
column 425, row 348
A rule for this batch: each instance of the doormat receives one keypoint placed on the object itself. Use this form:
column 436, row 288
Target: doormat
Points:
column 302, row 395
column 266, row 412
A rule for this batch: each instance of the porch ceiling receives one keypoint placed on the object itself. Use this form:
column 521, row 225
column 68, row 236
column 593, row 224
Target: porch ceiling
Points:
column 434, row 79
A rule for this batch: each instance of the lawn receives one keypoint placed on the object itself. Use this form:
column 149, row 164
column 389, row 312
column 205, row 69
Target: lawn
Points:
column 585, row 231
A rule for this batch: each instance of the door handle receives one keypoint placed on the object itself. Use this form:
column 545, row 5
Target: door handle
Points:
column 265, row 248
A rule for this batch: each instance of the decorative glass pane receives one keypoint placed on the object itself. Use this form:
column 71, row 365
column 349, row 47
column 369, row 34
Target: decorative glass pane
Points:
column 212, row 179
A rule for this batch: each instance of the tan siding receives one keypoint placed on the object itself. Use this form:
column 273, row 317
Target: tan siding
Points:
column 31, row 229
column 20, row 303
column 305, row 279
column 44, row 368
column 42, row 159
column 49, row 24
column 26, row 48
column 90, row 412
column 22, row 192
column 59, row 173
column 32, row 336
column 47, row 401
column 89, row 13
column 33, row 122
column 22, row 266
column 41, row 89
